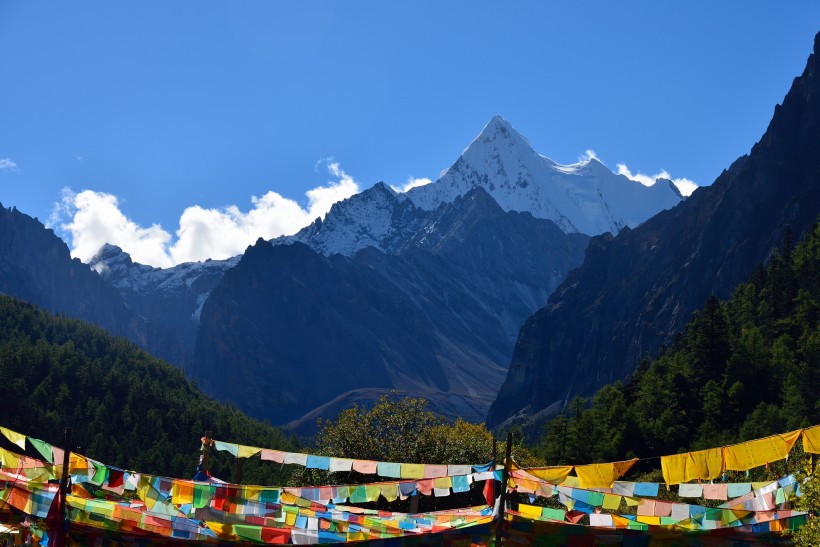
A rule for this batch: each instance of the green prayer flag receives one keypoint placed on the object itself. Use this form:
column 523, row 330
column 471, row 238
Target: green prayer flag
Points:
column 43, row 448
column 553, row 514
column 100, row 473
column 596, row 499
column 358, row 495
column 203, row 493
column 247, row 531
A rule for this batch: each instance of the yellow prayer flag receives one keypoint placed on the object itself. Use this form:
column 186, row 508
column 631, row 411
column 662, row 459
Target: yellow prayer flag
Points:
column 530, row 510
column 811, row 439
column 223, row 530
column 552, row 475
column 247, row 451
column 443, row 482
column 620, row 522
column 182, row 492
column 572, row 482
column 632, row 502
column 526, row 485
column 412, row 471
column 602, row 475
column 611, row 502
column 16, row 438
column 745, row 456
column 145, row 491
column 390, row 491
column 77, row 463
column 372, row 492
column 11, row 460
column 648, row 520
column 287, row 498
column 699, row 465
column 252, row 492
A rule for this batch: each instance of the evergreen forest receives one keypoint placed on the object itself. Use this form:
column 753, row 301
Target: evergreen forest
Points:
column 126, row 408
column 742, row 369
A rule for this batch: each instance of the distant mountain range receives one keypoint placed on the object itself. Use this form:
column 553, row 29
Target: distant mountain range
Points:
column 634, row 292
column 289, row 329
column 422, row 292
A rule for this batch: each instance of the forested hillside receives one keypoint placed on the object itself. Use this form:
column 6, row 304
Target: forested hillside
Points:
column 126, row 408
column 742, row 369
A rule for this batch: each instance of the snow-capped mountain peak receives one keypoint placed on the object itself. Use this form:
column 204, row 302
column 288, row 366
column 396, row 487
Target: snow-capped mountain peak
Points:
column 582, row 197
column 376, row 217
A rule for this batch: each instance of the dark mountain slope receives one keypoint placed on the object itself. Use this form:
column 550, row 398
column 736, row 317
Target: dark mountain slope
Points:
column 634, row 292
column 36, row 266
column 741, row 369
column 289, row 330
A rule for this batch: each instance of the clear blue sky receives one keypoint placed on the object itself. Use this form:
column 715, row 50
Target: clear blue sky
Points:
column 172, row 104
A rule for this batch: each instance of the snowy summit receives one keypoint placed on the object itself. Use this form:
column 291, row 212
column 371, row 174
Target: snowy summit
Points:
column 583, row 197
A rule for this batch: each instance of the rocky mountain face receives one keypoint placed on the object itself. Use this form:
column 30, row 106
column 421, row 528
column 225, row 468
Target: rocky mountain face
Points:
column 378, row 217
column 635, row 291
column 288, row 330
column 585, row 197
column 170, row 297
column 36, row 266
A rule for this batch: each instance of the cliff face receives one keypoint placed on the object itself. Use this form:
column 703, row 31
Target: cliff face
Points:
column 36, row 266
column 289, row 330
column 635, row 291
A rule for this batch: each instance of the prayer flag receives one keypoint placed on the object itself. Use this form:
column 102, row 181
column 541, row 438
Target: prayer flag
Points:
column 552, row 475
column 602, row 475
column 743, row 456
column 16, row 438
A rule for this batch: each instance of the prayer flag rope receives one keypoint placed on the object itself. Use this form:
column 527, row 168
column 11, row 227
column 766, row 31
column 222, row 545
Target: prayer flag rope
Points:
column 112, row 500
column 390, row 470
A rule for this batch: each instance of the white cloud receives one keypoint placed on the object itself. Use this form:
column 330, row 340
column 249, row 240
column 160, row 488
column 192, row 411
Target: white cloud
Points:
column 588, row 155
column 92, row 219
column 321, row 198
column 686, row 186
column 412, row 182
column 96, row 219
column 7, row 165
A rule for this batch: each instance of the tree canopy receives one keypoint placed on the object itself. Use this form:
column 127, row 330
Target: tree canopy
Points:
column 126, row 408
column 741, row 369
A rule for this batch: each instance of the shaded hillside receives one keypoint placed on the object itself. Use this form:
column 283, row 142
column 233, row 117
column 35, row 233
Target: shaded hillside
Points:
column 742, row 369
column 126, row 408
column 36, row 266
column 288, row 330
column 635, row 291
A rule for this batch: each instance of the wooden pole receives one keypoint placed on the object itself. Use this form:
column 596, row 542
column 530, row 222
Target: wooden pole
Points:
column 60, row 538
column 492, row 468
column 240, row 462
column 505, row 474
column 206, row 450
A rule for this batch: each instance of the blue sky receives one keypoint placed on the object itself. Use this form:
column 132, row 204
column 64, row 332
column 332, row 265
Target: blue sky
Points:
column 159, row 107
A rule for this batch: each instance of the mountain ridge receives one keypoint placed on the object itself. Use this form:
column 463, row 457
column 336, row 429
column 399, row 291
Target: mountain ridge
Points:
column 584, row 197
column 666, row 268
column 438, row 318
